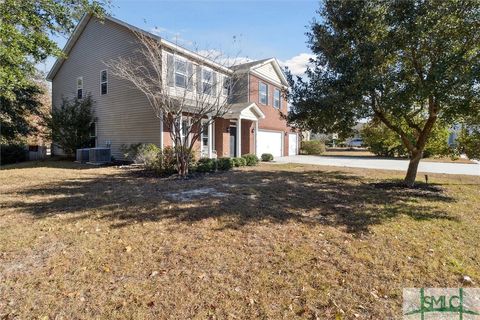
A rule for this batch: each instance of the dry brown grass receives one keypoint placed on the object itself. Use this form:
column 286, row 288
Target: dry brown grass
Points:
column 288, row 241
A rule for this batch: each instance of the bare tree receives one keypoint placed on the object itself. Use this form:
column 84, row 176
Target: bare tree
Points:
column 187, row 96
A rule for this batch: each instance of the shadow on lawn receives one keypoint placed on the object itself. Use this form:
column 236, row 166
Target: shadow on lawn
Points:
column 323, row 197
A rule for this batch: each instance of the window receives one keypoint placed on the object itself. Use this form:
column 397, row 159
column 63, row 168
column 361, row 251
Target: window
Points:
column 263, row 93
column 93, row 135
column 180, row 73
column 226, row 86
column 276, row 99
column 103, row 82
column 79, row 87
column 207, row 80
column 204, row 133
column 185, row 127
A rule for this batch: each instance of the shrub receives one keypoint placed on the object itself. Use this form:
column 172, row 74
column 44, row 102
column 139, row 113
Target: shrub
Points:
column 148, row 155
column 12, row 153
column 239, row 162
column 130, row 150
column 383, row 142
column 312, row 147
column 250, row 159
column 206, row 165
column 267, row 157
column 469, row 142
column 166, row 161
column 71, row 124
column 225, row 163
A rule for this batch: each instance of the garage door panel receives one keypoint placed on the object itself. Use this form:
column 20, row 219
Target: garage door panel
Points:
column 270, row 142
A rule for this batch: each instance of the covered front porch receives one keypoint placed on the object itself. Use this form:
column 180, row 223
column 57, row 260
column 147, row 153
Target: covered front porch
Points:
column 235, row 134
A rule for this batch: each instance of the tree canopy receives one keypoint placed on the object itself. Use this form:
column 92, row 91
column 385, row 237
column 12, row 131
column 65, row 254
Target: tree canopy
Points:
column 414, row 60
column 26, row 27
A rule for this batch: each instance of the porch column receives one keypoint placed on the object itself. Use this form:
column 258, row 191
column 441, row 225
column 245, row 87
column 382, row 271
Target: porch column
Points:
column 256, row 138
column 210, row 137
column 239, row 137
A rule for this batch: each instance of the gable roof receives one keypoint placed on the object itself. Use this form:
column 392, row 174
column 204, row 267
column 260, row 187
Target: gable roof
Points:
column 86, row 19
column 251, row 66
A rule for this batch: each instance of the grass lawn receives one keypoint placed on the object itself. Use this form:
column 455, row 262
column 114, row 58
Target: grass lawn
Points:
column 274, row 241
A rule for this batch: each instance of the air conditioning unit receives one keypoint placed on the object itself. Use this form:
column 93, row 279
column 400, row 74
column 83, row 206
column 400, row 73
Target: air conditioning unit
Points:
column 83, row 155
column 100, row 155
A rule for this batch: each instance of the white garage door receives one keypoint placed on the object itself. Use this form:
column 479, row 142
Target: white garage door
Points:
column 269, row 142
column 292, row 144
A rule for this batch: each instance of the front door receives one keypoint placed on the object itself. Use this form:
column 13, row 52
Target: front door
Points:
column 233, row 141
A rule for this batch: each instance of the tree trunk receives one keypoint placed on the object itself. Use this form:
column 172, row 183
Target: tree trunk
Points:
column 183, row 167
column 413, row 168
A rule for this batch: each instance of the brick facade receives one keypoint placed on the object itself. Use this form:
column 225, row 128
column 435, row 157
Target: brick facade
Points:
column 273, row 120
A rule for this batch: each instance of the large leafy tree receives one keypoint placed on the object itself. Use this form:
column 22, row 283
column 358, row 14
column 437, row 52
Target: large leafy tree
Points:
column 26, row 27
column 414, row 60
column 26, row 30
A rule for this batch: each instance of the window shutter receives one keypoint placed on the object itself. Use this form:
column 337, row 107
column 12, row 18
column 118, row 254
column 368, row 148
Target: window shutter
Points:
column 190, row 76
column 214, row 83
column 199, row 80
column 170, row 70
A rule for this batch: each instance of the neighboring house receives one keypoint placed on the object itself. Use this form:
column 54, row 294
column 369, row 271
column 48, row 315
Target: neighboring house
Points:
column 124, row 116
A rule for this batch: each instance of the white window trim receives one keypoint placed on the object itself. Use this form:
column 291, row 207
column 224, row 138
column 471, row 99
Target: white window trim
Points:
column 279, row 98
column 229, row 88
column 205, row 69
column 175, row 59
column 79, row 87
column 260, row 93
column 103, row 82
column 202, row 123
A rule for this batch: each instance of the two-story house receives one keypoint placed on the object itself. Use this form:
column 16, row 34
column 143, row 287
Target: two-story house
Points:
column 123, row 115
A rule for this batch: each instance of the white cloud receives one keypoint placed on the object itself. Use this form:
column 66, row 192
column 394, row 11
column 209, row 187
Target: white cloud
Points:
column 298, row 64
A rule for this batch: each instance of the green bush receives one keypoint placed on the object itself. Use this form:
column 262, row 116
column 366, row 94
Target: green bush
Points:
column 71, row 123
column 312, row 147
column 225, row 163
column 267, row 157
column 166, row 161
column 384, row 142
column 12, row 153
column 148, row 155
column 469, row 142
column 130, row 150
column 239, row 162
column 206, row 165
column 250, row 159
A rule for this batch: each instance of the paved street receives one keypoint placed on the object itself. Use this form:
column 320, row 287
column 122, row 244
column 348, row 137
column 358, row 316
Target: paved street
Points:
column 386, row 164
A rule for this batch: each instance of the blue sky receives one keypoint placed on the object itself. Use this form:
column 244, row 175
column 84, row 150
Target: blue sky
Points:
column 261, row 29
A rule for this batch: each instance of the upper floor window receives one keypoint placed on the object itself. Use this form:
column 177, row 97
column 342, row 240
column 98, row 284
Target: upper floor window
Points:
column 103, row 82
column 227, row 83
column 263, row 93
column 179, row 72
column 276, row 99
column 79, row 87
column 207, row 81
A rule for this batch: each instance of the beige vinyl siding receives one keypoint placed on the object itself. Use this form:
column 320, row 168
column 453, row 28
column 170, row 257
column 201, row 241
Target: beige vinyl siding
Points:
column 240, row 88
column 124, row 115
column 268, row 71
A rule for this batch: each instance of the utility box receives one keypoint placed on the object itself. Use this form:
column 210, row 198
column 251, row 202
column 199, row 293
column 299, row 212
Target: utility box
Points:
column 100, row 155
column 83, row 155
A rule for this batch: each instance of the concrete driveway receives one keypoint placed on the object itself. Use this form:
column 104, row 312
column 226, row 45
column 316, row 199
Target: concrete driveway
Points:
column 385, row 164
